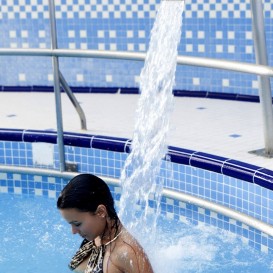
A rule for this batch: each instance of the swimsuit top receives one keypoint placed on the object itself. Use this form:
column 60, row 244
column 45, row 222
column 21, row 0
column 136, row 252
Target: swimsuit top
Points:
column 95, row 253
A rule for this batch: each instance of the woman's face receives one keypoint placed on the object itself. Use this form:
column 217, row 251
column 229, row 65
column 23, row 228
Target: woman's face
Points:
column 88, row 225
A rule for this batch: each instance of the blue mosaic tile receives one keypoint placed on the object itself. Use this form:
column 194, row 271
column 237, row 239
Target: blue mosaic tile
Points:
column 234, row 135
column 85, row 32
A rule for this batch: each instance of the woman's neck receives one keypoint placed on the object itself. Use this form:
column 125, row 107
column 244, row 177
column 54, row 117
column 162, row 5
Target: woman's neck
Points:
column 112, row 229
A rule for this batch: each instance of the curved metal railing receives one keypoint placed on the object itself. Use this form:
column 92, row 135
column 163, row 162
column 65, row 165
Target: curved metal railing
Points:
column 183, row 197
column 249, row 68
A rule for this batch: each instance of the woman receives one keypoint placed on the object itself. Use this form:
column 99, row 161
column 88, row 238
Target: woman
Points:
column 87, row 205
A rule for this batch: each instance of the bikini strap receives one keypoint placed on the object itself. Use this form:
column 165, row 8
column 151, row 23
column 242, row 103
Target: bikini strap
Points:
column 108, row 243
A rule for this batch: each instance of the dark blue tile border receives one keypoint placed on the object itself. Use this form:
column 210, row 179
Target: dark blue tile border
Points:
column 17, row 88
column 40, row 136
column 248, row 98
column 11, row 134
column 86, row 89
column 133, row 90
column 129, row 90
column 73, row 139
column 264, row 178
column 217, row 164
column 240, row 170
column 109, row 143
column 81, row 89
column 207, row 162
column 216, row 95
column 186, row 93
column 108, row 90
column 222, row 96
column 179, row 155
column 38, row 88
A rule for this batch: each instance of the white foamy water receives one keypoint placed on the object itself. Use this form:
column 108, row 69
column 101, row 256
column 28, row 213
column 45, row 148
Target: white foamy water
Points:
column 155, row 105
column 200, row 249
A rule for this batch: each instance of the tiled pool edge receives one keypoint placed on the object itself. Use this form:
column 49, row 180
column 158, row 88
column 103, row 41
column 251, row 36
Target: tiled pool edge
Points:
column 222, row 165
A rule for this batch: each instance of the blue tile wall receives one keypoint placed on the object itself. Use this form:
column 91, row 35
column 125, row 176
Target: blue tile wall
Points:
column 214, row 29
column 245, row 188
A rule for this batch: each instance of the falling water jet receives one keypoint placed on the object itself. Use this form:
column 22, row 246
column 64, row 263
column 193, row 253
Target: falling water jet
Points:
column 140, row 175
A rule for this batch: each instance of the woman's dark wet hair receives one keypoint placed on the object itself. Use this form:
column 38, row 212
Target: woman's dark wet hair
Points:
column 86, row 192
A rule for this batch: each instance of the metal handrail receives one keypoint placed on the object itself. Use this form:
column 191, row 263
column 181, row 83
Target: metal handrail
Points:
column 73, row 100
column 264, row 82
column 57, row 91
column 176, row 195
column 249, row 68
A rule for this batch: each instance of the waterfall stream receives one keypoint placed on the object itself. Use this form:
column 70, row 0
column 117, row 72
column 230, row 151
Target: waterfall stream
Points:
column 139, row 178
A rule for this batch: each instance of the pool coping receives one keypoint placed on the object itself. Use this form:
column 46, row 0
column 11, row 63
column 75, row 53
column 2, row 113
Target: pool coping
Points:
column 135, row 90
column 222, row 165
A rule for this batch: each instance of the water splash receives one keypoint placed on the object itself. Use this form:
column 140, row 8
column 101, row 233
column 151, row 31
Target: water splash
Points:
column 44, row 238
column 139, row 178
column 202, row 248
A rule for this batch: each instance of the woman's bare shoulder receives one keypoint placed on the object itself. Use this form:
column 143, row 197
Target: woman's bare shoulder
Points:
column 130, row 256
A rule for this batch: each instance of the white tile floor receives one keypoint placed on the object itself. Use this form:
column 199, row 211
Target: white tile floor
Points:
column 225, row 128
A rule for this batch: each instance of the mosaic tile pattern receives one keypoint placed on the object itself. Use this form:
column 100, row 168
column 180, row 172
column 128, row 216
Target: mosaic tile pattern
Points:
column 239, row 186
column 215, row 29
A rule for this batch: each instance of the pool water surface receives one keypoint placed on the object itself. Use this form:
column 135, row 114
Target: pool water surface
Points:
column 34, row 239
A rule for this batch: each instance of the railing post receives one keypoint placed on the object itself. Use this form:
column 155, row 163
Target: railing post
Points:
column 57, row 91
column 73, row 100
column 258, row 31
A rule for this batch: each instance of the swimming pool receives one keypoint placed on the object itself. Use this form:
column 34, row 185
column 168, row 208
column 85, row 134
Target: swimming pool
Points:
column 39, row 238
column 202, row 189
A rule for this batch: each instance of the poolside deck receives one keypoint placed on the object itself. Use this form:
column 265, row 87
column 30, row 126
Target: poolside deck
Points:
column 226, row 128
